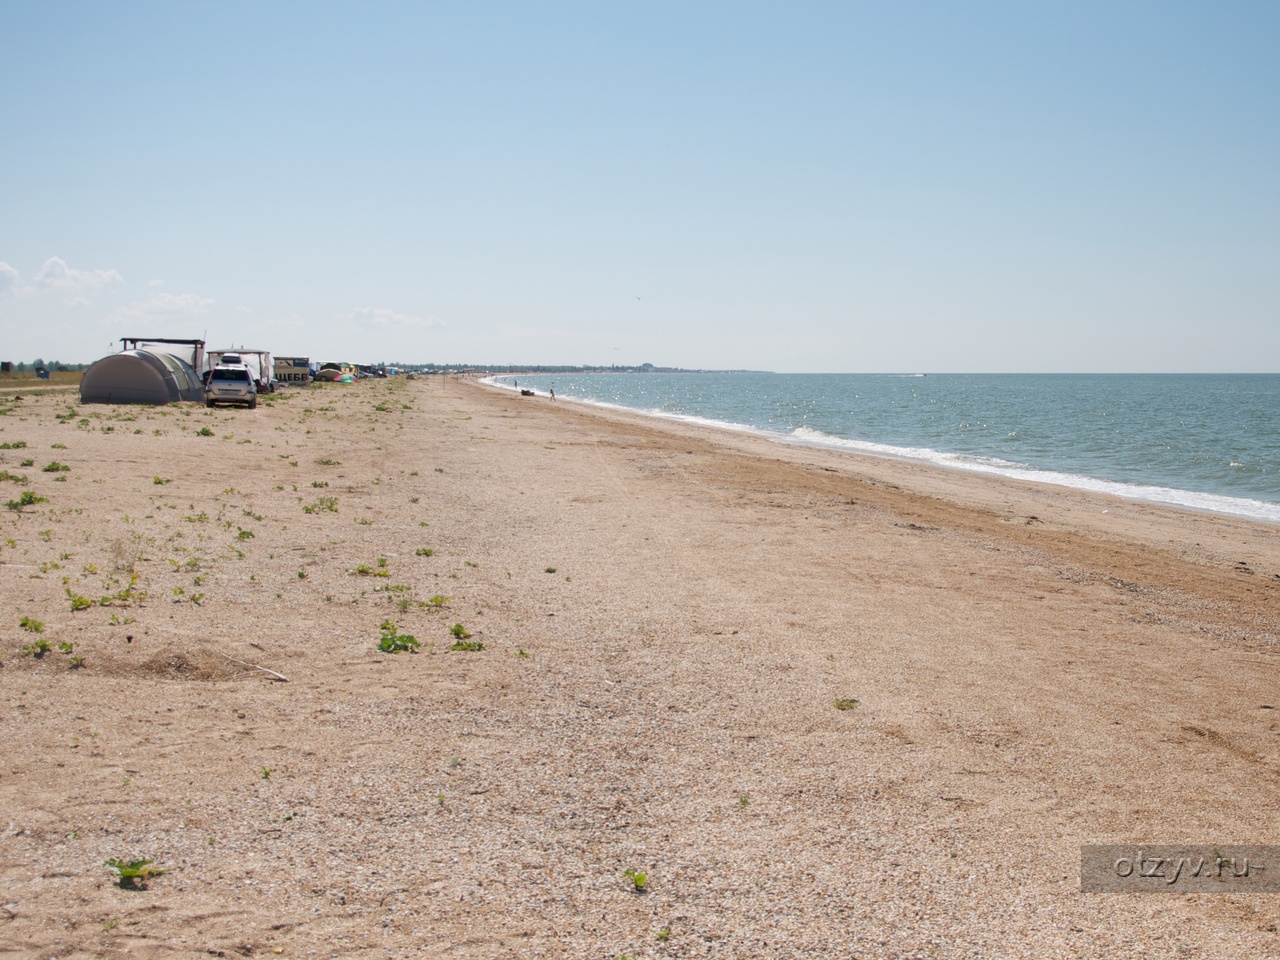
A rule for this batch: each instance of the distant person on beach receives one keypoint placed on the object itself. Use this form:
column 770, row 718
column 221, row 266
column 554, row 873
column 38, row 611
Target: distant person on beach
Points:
column 553, row 393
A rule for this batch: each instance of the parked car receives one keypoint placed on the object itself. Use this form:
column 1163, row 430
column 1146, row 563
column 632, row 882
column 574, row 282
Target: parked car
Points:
column 230, row 383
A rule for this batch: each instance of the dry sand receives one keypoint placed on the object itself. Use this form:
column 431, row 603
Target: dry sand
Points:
column 669, row 615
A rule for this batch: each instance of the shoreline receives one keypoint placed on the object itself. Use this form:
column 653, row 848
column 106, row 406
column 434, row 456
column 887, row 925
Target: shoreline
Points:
column 1245, row 508
column 670, row 616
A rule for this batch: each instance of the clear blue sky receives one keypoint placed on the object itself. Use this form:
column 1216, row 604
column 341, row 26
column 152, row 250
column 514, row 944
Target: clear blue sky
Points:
column 945, row 186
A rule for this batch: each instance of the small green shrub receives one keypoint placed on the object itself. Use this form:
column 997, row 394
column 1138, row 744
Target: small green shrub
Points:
column 393, row 642
column 424, row 552
column 126, row 596
column 37, row 649
column 204, row 432
column 26, row 499
column 55, row 467
column 30, row 625
column 459, row 631
column 846, row 704
column 639, row 879
column 134, row 874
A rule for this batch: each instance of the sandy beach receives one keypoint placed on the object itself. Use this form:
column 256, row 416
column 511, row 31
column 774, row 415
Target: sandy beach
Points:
column 827, row 705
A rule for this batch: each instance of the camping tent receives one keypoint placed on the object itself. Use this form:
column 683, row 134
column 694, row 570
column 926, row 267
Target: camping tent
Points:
column 140, row 376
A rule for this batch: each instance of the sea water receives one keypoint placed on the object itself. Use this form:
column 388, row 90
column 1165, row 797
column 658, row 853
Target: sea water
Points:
column 1198, row 441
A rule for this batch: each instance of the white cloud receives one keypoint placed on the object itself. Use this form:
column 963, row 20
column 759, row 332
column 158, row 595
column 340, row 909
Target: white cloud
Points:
column 243, row 310
column 8, row 278
column 56, row 275
column 163, row 308
column 379, row 318
column 155, row 283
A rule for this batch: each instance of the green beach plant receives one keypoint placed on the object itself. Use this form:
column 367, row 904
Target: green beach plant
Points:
column 27, row 498
column 392, row 641
column 126, row 596
column 639, row 879
column 134, row 874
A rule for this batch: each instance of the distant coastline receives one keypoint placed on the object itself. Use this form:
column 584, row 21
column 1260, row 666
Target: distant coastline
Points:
column 517, row 368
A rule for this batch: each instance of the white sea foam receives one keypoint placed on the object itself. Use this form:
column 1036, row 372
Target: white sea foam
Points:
column 1187, row 499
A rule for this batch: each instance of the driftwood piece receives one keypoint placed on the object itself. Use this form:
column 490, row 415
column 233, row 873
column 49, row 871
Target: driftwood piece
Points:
column 271, row 673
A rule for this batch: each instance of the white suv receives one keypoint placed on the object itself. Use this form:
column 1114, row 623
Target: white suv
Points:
column 230, row 383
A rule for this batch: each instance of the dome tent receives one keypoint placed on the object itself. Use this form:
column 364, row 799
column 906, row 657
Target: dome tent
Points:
column 140, row 376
